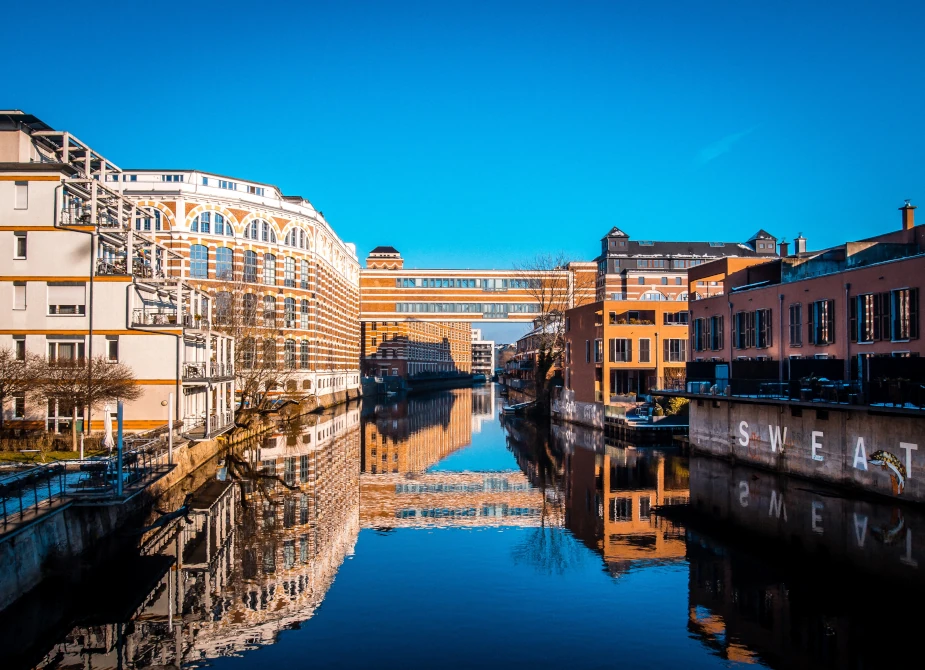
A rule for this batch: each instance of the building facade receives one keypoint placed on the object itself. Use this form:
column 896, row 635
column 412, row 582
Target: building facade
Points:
column 80, row 282
column 283, row 284
column 413, row 348
column 614, row 349
column 483, row 354
column 647, row 270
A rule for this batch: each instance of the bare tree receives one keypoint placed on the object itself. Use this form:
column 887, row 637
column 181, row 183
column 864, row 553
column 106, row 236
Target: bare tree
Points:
column 85, row 383
column 556, row 284
column 17, row 376
column 254, row 321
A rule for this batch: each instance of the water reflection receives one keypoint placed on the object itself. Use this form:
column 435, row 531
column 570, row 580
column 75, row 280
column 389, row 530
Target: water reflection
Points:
column 765, row 570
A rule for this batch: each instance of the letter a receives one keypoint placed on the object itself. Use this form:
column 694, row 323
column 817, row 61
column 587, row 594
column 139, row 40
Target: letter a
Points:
column 860, row 455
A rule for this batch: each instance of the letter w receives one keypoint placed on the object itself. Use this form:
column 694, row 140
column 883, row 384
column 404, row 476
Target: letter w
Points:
column 776, row 443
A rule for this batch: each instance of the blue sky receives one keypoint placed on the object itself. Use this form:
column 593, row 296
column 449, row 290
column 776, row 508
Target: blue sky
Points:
column 478, row 134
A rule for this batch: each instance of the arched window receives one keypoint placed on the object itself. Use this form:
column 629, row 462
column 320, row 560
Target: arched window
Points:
column 269, row 269
column 223, row 308
column 303, row 315
column 249, row 309
column 199, row 262
column 289, row 312
column 269, row 311
column 306, row 383
column 260, row 230
column 250, row 267
column 303, row 360
column 224, row 264
column 289, row 354
column 248, row 352
column 148, row 219
column 297, row 238
column 202, row 223
column 269, row 354
column 289, row 272
column 212, row 223
column 653, row 295
column 303, row 273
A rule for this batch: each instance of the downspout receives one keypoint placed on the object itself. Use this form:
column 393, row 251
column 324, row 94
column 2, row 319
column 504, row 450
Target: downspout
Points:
column 93, row 245
column 848, row 333
column 780, row 345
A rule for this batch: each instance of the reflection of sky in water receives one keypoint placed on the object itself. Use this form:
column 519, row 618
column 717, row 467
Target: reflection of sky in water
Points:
column 455, row 598
column 487, row 453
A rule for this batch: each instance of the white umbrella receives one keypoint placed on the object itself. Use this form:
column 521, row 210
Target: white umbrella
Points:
column 108, row 442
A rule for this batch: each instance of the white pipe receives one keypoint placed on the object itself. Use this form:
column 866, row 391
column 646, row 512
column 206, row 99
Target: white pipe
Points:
column 170, row 428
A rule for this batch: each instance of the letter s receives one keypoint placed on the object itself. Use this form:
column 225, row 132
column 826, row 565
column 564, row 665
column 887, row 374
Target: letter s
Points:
column 743, row 430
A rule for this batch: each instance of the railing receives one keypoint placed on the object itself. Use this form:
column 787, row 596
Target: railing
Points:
column 194, row 371
column 32, row 488
column 202, row 428
column 221, row 370
column 154, row 317
column 894, row 393
column 195, row 321
column 117, row 267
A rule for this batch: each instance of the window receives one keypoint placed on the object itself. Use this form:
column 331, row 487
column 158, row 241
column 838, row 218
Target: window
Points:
column 905, row 312
column 621, row 350
column 269, row 354
column 699, row 336
column 303, row 315
column 228, row 185
column 796, row 325
column 224, row 264
column 112, row 348
column 19, row 295
column 622, row 509
column 21, row 195
column 822, row 313
column 289, row 312
column 223, row 308
column 19, row 245
column 568, row 353
column 19, row 405
column 651, row 263
column 269, row 269
column 289, row 272
column 199, row 262
column 716, row 334
column 172, row 177
column 247, row 353
column 587, row 351
column 250, row 267
column 149, row 219
column 205, row 181
column 260, row 230
column 19, row 347
column 676, row 318
column 644, row 355
column 289, row 354
column 303, row 358
column 675, row 351
column 664, row 281
column 598, row 351
column 297, row 238
column 66, row 352
column 269, row 310
column 653, row 295
column 642, row 281
column 66, row 298
column 249, row 309
column 743, row 335
column 255, row 190
column 303, row 274
column 678, row 281
column 763, row 331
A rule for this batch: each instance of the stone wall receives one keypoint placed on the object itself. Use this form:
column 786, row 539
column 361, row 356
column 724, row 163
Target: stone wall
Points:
column 830, row 445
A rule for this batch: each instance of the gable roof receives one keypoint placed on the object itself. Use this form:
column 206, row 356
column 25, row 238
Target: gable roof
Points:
column 384, row 250
column 616, row 232
column 762, row 234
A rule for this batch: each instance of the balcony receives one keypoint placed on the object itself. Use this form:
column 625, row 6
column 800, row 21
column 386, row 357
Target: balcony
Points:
column 154, row 317
column 205, row 428
column 200, row 371
column 108, row 267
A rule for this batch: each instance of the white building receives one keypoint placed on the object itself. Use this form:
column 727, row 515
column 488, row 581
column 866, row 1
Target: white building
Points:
column 78, row 281
column 483, row 354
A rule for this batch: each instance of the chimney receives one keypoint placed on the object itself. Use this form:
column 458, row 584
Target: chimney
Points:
column 908, row 211
column 784, row 249
column 799, row 244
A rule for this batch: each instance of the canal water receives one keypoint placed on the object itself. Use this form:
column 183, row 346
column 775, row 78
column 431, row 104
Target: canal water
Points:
column 434, row 532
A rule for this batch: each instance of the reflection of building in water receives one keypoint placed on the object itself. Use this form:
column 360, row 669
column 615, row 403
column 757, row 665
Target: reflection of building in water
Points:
column 453, row 498
column 411, row 436
column 612, row 495
column 258, row 557
column 483, row 406
column 793, row 568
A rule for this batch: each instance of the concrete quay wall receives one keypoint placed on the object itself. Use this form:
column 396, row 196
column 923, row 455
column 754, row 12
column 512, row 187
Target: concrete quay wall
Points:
column 51, row 545
column 835, row 446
